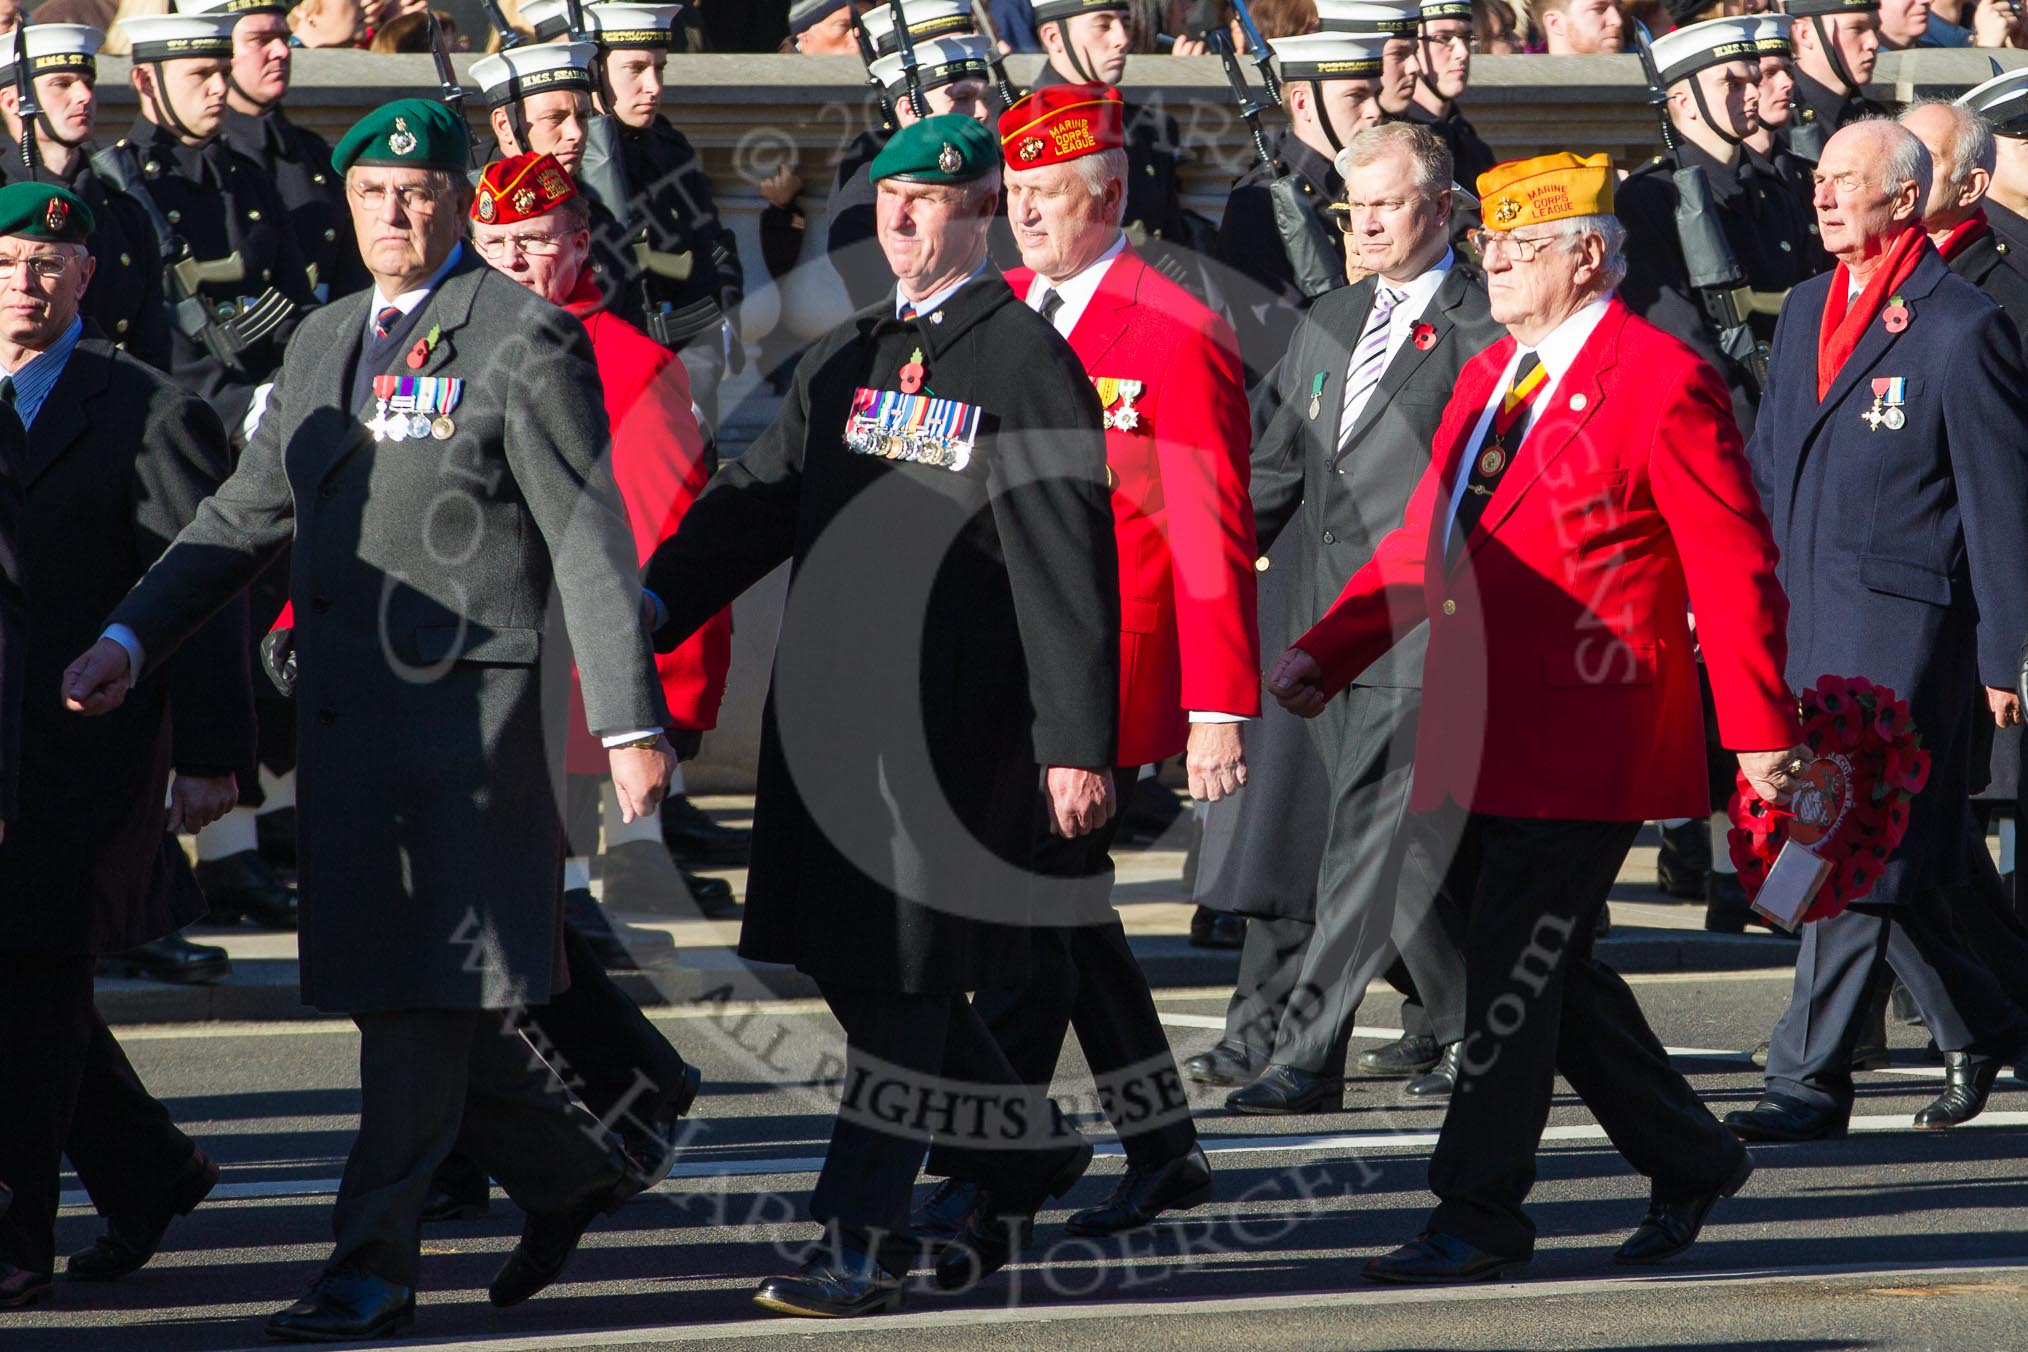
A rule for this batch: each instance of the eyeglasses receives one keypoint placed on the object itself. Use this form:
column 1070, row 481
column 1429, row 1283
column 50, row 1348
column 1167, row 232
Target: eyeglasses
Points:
column 415, row 198
column 46, row 267
column 1522, row 248
column 531, row 246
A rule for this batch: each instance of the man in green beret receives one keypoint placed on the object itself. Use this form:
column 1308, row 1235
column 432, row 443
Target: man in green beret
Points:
column 123, row 458
column 431, row 450
column 940, row 451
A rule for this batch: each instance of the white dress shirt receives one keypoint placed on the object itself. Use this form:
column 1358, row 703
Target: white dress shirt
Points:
column 1416, row 296
column 1077, row 291
column 1557, row 352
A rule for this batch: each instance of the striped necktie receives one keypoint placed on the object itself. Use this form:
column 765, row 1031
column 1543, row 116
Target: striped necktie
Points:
column 1369, row 359
column 384, row 322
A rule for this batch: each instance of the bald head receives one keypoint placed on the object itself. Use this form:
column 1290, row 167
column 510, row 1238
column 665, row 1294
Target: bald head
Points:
column 1870, row 185
column 1960, row 145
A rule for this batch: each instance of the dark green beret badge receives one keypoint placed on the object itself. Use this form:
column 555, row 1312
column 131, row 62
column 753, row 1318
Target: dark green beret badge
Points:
column 39, row 211
column 947, row 148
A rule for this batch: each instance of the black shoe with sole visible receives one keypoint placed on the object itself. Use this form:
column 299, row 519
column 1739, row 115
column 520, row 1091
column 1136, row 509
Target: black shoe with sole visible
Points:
column 246, row 886
column 1406, row 1055
column 1672, row 1227
column 1968, row 1080
column 1285, row 1090
column 172, row 960
column 1226, row 1064
column 1216, row 929
column 1430, row 1258
column 694, row 838
column 459, row 1191
column 547, row 1242
column 345, row 1304
column 20, row 1288
column 832, row 1284
column 942, row 1214
column 1442, row 1081
column 1144, row 1194
column 130, row 1241
column 1777, row 1117
column 1000, row 1222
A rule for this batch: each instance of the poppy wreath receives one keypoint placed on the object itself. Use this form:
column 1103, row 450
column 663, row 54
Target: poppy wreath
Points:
column 1853, row 807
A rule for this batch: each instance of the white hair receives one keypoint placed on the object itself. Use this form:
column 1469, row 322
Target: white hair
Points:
column 1971, row 144
column 1612, row 238
column 1108, row 166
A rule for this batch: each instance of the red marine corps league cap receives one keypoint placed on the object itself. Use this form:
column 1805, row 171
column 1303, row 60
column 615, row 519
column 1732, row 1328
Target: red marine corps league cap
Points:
column 521, row 187
column 1062, row 122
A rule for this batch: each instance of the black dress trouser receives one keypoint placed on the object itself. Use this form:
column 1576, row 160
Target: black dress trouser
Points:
column 1085, row 976
column 66, row 1087
column 431, row 1080
column 1537, row 1003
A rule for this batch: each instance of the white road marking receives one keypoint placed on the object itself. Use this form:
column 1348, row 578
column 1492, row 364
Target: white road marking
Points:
column 1359, row 1297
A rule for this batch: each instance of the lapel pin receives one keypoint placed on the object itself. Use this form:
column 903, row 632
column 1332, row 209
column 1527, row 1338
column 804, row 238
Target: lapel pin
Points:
column 1316, row 395
column 1577, row 403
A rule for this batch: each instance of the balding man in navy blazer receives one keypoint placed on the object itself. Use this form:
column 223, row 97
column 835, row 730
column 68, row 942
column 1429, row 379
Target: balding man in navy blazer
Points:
column 1892, row 458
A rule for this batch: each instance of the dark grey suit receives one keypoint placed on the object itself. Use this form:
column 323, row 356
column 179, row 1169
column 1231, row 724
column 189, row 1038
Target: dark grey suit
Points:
column 424, row 575
column 1338, row 490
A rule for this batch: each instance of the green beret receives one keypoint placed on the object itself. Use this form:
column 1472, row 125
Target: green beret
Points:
column 39, row 211
column 407, row 134
column 948, row 148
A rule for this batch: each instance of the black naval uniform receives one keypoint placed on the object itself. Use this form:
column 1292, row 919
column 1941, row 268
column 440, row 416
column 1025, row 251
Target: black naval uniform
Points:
column 850, row 237
column 220, row 202
column 672, row 198
column 1820, row 112
column 298, row 163
column 897, row 803
column 1470, row 156
column 1762, row 223
column 125, row 297
column 1249, row 242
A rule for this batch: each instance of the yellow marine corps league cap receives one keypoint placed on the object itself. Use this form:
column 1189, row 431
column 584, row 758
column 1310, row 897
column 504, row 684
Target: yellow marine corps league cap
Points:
column 1546, row 188
column 53, row 47
column 507, row 77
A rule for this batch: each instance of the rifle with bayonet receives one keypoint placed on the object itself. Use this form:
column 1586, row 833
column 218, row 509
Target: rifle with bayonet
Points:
column 1713, row 272
column 1263, row 55
column 25, row 105
column 510, row 36
column 1315, row 260
column 982, row 18
column 911, row 70
column 453, row 92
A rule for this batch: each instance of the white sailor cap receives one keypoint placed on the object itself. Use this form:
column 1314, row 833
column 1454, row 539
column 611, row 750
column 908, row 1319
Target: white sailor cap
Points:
column 1683, row 52
column 53, row 47
column 1330, row 56
column 1772, row 36
column 547, row 19
column 926, row 19
column 172, row 37
column 507, row 77
column 1432, row 10
column 939, row 61
column 236, row 8
column 2002, row 101
column 1395, row 18
column 619, row 25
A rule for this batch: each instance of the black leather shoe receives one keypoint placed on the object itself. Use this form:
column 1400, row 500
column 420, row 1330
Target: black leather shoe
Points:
column 1441, row 1082
column 1968, row 1080
column 651, row 1144
column 1438, row 1258
column 1228, row 1063
column 130, row 1241
column 694, row 838
column 20, row 1288
column 1143, row 1194
column 173, row 960
column 246, row 886
column 1284, row 1090
column 344, row 1305
column 640, row 876
column 1216, row 929
column 1671, row 1227
column 832, row 1285
column 1684, row 859
column 547, row 1242
column 1406, row 1055
column 459, row 1191
column 1000, row 1221
column 619, row 947
column 942, row 1214
column 1777, row 1117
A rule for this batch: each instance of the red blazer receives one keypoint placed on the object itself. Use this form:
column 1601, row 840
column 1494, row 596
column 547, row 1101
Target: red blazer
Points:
column 658, row 462
column 1561, row 681
column 1188, row 637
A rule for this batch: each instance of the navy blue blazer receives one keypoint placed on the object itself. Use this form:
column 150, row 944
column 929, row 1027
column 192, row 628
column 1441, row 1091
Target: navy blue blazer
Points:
column 1903, row 526
column 13, row 608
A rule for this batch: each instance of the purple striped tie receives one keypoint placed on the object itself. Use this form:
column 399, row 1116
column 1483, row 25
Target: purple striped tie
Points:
column 1369, row 358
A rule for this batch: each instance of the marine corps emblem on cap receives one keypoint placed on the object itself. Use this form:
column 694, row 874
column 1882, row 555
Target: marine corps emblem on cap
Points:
column 949, row 160
column 1507, row 210
column 57, row 216
column 401, row 141
column 1032, row 147
column 524, row 201
column 483, row 208
column 1546, row 188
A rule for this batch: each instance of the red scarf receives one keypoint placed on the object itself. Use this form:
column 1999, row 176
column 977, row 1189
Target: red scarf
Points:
column 1845, row 323
column 1964, row 236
